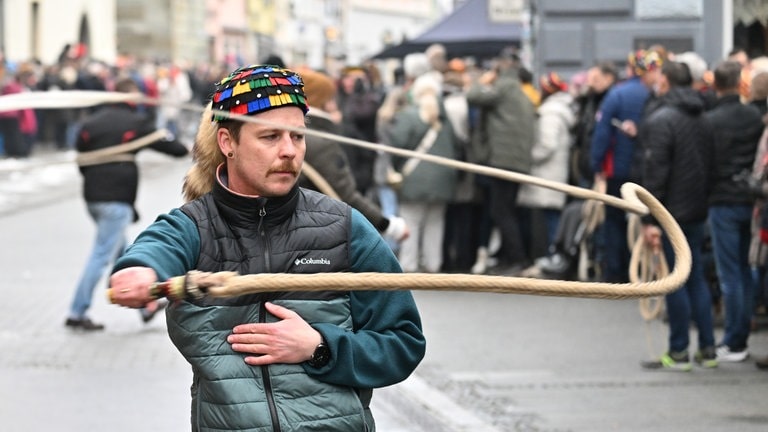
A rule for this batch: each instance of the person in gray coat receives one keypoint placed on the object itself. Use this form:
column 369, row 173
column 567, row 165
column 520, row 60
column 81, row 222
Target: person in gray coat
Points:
column 503, row 138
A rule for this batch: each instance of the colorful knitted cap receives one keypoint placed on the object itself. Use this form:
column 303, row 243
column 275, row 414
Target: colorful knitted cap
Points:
column 643, row 61
column 257, row 88
column 552, row 83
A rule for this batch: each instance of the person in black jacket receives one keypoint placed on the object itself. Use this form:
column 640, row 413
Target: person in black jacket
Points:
column 359, row 101
column 737, row 128
column 109, row 189
column 676, row 141
column 600, row 79
column 329, row 159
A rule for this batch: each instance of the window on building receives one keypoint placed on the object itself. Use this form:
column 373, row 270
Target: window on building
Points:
column 668, row 9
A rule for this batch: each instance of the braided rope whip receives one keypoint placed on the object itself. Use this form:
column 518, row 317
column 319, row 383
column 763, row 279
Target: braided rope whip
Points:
column 196, row 284
column 635, row 199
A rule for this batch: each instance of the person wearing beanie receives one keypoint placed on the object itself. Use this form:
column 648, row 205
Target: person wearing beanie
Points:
column 330, row 161
column 551, row 83
column 550, row 160
column 275, row 361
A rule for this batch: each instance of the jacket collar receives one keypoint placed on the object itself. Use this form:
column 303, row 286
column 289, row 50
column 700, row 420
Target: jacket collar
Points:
column 245, row 211
column 317, row 113
column 728, row 99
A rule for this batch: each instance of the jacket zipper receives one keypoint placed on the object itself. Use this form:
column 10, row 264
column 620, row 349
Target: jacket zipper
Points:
column 263, row 319
column 198, row 405
column 263, row 235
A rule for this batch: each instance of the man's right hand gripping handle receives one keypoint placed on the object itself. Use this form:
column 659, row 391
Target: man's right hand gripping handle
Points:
column 136, row 286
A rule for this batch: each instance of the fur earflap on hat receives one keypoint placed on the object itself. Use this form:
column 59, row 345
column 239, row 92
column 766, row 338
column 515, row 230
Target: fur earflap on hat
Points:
column 207, row 157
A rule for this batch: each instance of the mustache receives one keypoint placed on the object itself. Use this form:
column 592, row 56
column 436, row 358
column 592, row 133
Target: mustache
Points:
column 286, row 167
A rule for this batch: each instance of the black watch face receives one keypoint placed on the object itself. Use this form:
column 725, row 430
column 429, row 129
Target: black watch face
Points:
column 321, row 356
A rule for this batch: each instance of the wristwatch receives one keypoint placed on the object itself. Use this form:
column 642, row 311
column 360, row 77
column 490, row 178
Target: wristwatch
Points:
column 321, row 356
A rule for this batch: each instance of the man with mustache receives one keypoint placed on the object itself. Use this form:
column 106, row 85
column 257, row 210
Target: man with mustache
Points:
column 280, row 361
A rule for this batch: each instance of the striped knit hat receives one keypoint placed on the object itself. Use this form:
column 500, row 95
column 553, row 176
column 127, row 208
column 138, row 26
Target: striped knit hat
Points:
column 258, row 88
column 552, row 83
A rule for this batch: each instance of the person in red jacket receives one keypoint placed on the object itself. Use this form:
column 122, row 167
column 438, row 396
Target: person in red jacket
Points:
column 14, row 124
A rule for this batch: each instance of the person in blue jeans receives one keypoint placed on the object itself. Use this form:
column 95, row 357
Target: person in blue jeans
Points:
column 737, row 129
column 111, row 219
column 677, row 141
column 731, row 236
column 109, row 189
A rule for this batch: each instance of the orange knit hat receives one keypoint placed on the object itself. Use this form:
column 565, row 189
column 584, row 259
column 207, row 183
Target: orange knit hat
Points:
column 319, row 88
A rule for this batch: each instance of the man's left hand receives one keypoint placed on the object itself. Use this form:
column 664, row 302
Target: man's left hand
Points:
column 290, row 340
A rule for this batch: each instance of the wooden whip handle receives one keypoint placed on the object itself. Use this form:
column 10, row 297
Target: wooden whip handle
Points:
column 174, row 289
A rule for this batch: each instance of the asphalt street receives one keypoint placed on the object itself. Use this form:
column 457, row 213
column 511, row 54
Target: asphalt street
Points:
column 494, row 362
column 126, row 378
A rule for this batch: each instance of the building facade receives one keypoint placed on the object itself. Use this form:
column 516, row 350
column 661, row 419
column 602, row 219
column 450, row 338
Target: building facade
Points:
column 570, row 36
column 42, row 29
column 563, row 35
column 316, row 33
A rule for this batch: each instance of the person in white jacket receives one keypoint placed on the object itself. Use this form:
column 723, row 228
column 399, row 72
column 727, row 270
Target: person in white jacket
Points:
column 550, row 153
column 173, row 87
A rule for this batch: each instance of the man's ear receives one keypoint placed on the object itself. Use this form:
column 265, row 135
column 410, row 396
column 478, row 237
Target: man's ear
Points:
column 225, row 141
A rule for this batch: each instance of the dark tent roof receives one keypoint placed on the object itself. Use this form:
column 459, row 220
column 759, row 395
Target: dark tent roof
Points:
column 467, row 31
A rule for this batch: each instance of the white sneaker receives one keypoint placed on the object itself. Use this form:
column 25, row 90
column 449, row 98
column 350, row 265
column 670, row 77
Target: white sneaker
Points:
column 724, row 354
column 481, row 265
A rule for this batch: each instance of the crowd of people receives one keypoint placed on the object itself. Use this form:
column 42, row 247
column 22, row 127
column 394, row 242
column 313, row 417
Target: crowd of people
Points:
column 26, row 130
column 691, row 133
